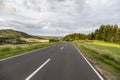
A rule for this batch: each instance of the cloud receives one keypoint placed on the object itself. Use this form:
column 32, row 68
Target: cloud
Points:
column 58, row 17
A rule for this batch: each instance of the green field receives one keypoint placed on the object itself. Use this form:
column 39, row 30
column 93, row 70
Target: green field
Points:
column 8, row 50
column 104, row 54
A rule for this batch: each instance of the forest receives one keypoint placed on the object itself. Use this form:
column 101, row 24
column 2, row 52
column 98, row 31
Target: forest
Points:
column 109, row 33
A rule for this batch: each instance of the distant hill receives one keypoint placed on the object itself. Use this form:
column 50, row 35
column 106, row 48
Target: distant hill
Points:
column 9, row 36
column 51, row 37
column 9, row 33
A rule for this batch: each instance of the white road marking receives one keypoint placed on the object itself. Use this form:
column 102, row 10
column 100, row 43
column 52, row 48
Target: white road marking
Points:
column 31, row 75
column 101, row 78
column 25, row 53
column 62, row 48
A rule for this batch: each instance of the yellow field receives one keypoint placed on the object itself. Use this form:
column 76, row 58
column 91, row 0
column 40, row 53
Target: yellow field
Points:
column 103, row 43
column 35, row 40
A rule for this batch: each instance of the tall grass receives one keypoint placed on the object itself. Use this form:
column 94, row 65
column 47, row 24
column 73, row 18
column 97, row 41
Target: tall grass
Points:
column 107, row 53
column 11, row 50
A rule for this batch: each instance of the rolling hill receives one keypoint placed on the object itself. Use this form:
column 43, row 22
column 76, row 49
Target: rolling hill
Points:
column 9, row 36
column 9, row 33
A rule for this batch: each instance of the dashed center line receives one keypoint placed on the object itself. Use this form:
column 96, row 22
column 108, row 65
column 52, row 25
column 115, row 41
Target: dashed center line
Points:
column 62, row 48
column 29, row 77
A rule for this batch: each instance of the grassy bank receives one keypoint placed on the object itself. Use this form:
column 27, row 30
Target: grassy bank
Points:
column 105, row 55
column 11, row 50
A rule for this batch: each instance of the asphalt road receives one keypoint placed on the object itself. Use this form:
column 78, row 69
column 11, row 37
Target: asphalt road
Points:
column 60, row 62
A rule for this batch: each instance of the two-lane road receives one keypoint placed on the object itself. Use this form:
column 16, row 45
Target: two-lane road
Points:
column 60, row 62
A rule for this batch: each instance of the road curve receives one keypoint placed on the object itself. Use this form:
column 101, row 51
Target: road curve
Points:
column 60, row 62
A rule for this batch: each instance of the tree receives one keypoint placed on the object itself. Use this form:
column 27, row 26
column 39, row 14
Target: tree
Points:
column 75, row 36
column 108, row 32
column 116, row 33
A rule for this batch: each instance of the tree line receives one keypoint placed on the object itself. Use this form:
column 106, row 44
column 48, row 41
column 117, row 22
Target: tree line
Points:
column 109, row 33
column 75, row 36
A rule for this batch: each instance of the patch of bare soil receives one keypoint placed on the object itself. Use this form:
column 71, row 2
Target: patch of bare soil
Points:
column 107, row 75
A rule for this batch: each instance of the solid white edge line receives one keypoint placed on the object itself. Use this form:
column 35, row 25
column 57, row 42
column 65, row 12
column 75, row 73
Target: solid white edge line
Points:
column 89, row 64
column 25, row 53
column 31, row 75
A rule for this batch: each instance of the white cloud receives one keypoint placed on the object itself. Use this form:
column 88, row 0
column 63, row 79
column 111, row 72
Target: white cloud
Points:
column 58, row 17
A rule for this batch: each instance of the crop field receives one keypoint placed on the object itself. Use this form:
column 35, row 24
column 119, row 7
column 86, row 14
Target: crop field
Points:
column 35, row 40
column 106, row 54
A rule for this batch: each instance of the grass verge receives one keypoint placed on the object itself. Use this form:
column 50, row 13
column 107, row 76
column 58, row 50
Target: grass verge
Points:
column 103, row 55
column 11, row 50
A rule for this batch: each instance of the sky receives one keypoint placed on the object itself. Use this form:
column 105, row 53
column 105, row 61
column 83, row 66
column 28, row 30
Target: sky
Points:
column 58, row 17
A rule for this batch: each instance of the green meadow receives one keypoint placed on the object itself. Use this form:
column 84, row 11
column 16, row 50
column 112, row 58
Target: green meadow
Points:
column 8, row 50
column 105, row 54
